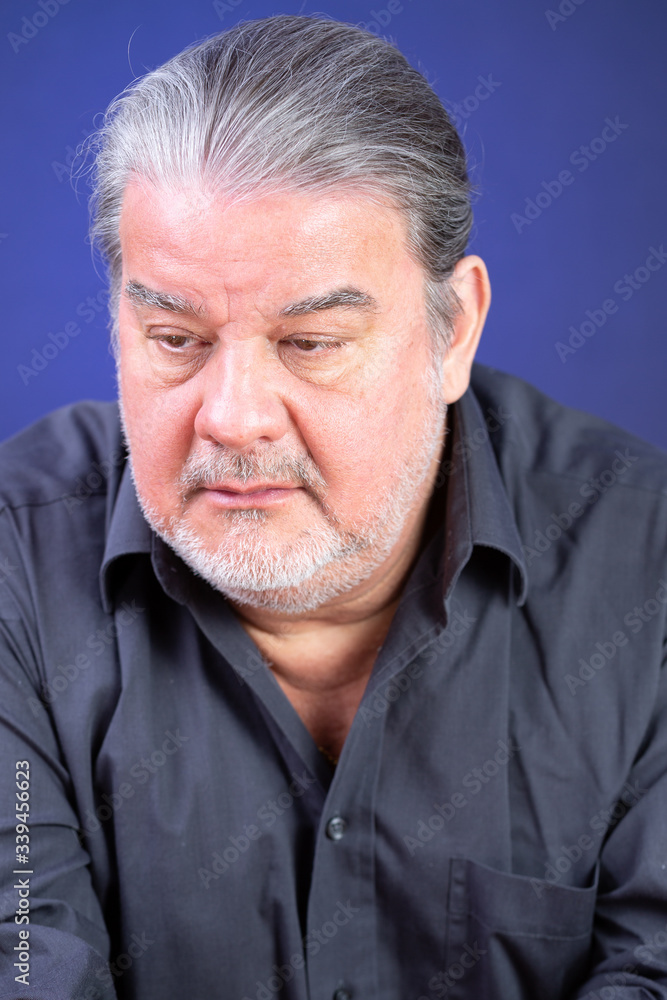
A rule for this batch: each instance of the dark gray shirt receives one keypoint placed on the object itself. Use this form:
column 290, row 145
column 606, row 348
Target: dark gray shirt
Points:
column 496, row 827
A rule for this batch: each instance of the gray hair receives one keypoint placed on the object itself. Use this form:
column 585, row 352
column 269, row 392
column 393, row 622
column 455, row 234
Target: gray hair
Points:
column 297, row 104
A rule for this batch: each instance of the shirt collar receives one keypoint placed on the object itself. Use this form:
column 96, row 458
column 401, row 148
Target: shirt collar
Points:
column 477, row 510
column 129, row 532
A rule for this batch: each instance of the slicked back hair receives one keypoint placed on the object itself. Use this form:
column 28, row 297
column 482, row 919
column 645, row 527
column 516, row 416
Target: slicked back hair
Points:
column 293, row 104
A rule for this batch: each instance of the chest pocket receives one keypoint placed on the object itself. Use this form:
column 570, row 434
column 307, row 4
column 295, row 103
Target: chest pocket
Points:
column 514, row 938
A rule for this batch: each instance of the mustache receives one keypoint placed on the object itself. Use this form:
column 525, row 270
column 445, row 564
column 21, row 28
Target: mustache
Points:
column 202, row 470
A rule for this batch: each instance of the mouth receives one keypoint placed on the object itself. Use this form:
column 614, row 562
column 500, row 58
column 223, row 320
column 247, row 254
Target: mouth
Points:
column 245, row 495
column 245, row 488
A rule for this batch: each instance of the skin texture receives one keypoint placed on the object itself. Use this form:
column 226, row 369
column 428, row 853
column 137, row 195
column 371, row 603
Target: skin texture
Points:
column 238, row 375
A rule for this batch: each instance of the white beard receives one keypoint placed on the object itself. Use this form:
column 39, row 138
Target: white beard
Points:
column 324, row 559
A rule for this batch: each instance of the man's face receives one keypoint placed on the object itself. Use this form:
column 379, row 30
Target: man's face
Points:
column 277, row 386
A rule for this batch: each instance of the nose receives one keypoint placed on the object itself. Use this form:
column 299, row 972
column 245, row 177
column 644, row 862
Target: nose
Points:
column 241, row 404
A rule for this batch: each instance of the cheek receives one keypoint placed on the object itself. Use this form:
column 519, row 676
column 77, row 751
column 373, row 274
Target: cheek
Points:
column 354, row 444
column 160, row 430
column 365, row 438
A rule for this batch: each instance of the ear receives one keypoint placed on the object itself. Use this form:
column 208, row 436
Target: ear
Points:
column 470, row 281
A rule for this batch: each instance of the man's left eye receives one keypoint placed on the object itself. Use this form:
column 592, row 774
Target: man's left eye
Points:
column 175, row 340
column 311, row 346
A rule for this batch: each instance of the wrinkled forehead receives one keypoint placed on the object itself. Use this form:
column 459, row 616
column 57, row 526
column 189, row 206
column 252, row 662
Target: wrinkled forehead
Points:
column 283, row 242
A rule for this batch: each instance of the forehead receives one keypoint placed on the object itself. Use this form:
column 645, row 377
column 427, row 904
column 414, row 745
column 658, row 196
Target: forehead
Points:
column 273, row 244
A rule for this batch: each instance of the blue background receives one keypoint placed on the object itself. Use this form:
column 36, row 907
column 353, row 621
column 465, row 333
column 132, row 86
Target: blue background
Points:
column 555, row 80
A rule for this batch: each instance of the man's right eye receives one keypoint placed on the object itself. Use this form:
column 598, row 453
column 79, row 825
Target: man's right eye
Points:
column 175, row 342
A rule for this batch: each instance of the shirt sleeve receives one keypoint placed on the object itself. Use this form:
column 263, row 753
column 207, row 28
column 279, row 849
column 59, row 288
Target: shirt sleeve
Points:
column 53, row 940
column 629, row 959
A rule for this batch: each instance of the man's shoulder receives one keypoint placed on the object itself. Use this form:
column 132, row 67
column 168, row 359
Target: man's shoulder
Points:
column 533, row 434
column 75, row 448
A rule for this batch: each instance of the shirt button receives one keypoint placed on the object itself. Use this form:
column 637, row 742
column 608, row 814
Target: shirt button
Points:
column 342, row 995
column 335, row 830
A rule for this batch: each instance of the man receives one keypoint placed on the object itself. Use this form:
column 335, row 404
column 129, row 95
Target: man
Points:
column 343, row 679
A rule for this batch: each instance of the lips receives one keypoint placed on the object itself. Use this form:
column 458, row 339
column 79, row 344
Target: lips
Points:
column 244, row 495
column 245, row 488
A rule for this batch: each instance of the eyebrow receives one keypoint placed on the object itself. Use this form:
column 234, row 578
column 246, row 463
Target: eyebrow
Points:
column 143, row 296
column 341, row 298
